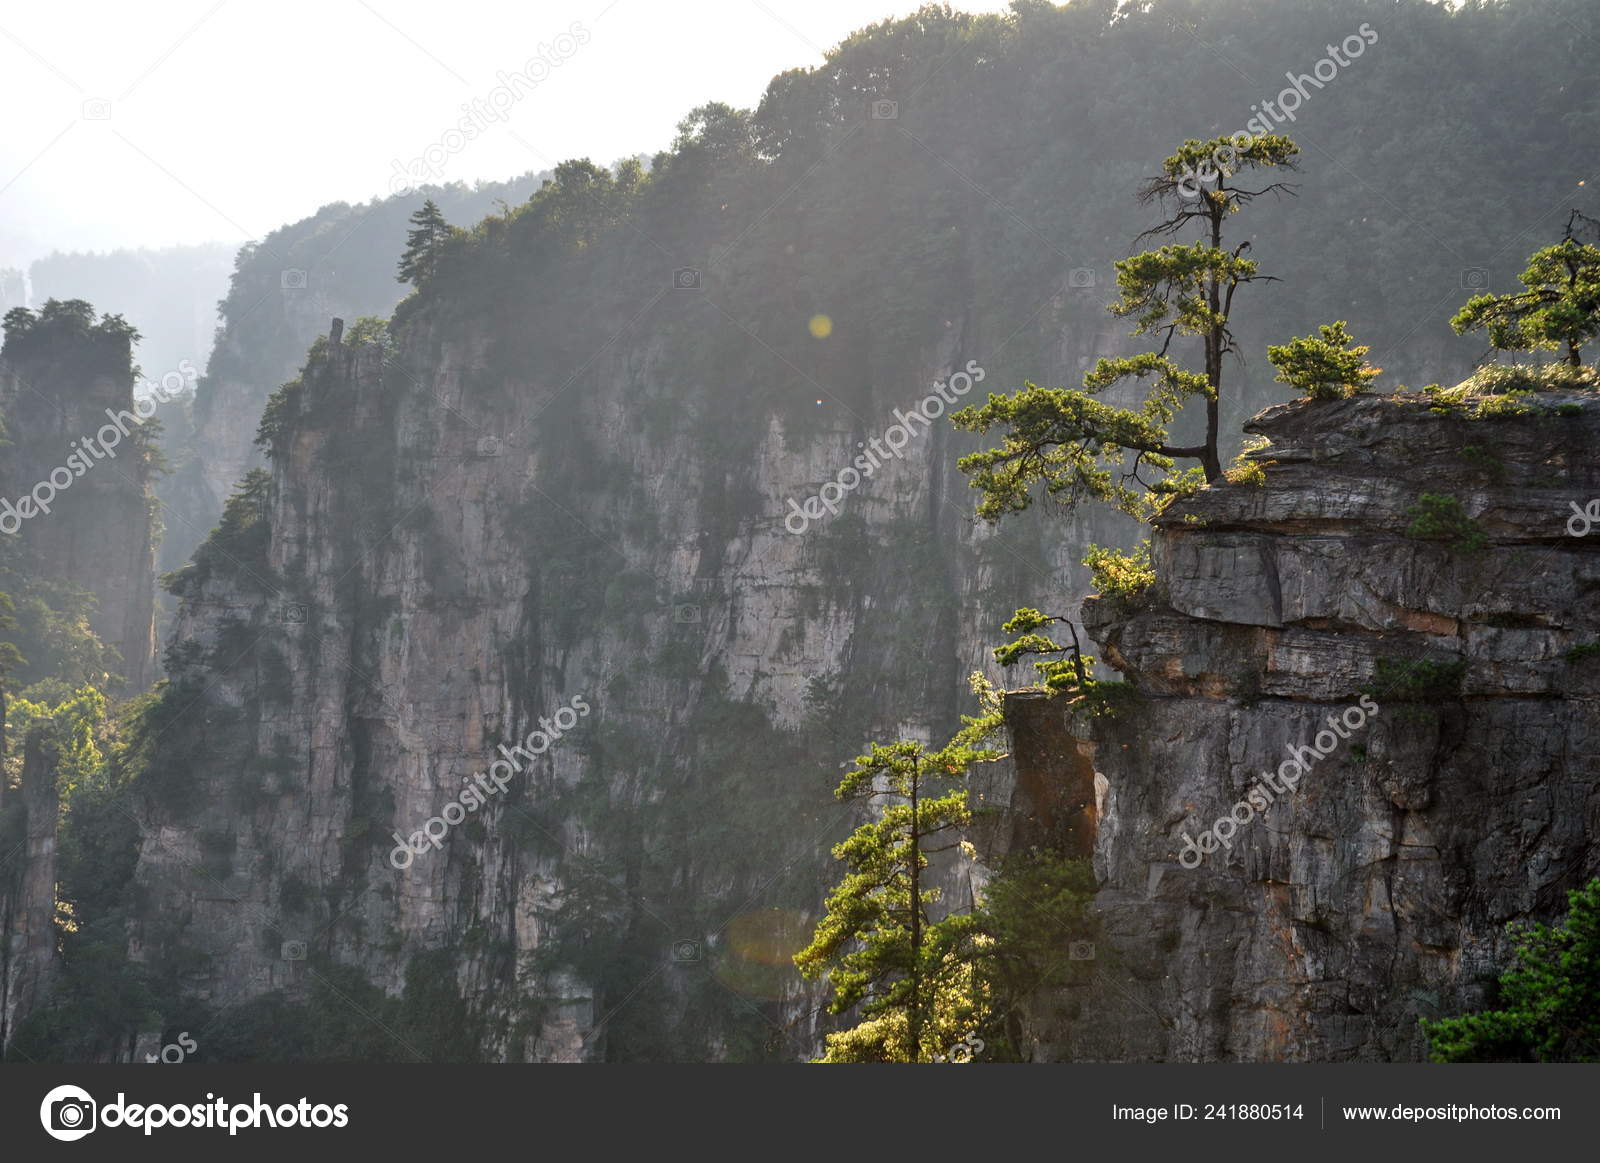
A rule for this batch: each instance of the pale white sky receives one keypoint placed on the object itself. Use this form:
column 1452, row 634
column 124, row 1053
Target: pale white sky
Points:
column 196, row 120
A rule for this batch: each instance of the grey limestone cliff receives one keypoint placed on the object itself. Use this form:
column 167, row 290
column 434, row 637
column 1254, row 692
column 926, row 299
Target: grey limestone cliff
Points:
column 1413, row 550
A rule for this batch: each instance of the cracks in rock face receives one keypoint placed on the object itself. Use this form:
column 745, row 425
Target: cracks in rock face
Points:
column 1382, row 893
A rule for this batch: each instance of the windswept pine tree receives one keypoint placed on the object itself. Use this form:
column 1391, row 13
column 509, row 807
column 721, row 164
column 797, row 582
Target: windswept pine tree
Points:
column 1327, row 366
column 1078, row 447
column 1558, row 307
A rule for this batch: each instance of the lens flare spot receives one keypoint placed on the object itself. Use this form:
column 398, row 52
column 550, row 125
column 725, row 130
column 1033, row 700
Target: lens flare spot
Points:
column 821, row 326
column 757, row 959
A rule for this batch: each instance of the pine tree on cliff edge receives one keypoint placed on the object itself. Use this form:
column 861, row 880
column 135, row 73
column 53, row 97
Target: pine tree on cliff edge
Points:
column 1076, row 446
column 423, row 242
column 1558, row 307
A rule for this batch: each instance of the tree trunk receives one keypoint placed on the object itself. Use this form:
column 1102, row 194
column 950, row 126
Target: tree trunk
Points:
column 1212, row 460
column 914, row 1018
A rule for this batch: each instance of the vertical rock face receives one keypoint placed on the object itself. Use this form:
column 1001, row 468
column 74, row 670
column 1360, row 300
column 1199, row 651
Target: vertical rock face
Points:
column 244, row 371
column 63, row 388
column 28, row 887
column 495, row 564
column 1372, row 887
column 338, row 261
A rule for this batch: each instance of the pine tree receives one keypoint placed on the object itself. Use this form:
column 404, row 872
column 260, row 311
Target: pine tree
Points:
column 1076, row 446
column 914, row 978
column 1549, row 997
column 423, row 242
column 1328, row 366
column 1559, row 307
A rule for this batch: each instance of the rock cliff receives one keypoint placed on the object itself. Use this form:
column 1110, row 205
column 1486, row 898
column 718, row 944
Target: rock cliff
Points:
column 387, row 618
column 27, row 897
column 1423, row 552
column 77, row 449
column 339, row 261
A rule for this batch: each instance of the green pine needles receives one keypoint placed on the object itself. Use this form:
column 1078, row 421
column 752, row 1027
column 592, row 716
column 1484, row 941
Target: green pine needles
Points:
column 1558, row 307
column 1077, row 447
column 1549, row 998
column 911, row 976
column 1327, row 366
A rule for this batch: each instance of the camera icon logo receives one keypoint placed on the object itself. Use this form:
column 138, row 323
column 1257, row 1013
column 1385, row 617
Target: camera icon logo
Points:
column 293, row 279
column 68, row 1113
column 488, row 446
column 684, row 952
column 1081, row 278
column 1474, row 279
column 1080, row 951
column 686, row 279
column 884, row 110
column 294, row 950
column 97, row 109
column 294, row 614
column 685, row 613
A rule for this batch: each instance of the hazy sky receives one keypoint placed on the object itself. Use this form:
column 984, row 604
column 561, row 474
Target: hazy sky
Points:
column 195, row 120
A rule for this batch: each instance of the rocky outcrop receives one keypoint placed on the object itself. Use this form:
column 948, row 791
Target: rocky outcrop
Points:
column 28, row 884
column 1407, row 550
column 338, row 261
column 241, row 377
column 76, row 448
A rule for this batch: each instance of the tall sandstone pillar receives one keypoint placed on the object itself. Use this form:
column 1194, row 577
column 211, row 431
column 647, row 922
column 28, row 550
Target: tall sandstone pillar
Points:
column 73, row 432
column 28, row 889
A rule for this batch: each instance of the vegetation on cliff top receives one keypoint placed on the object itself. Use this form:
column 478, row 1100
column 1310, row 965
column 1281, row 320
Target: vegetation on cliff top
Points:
column 1559, row 305
column 1077, row 447
column 63, row 325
